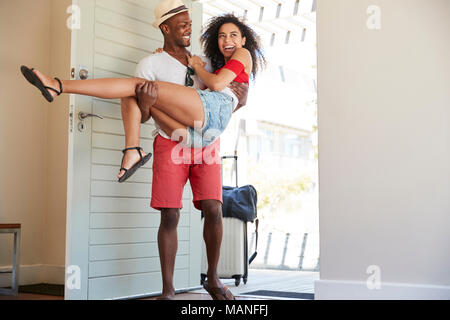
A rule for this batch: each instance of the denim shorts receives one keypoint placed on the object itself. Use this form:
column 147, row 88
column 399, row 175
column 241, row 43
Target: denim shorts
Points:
column 218, row 107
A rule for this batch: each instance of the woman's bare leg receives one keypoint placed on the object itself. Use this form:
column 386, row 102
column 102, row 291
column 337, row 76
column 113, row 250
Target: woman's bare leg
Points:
column 131, row 116
column 183, row 104
column 169, row 125
column 109, row 88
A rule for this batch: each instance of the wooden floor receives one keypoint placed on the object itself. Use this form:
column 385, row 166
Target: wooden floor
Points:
column 273, row 280
column 180, row 296
column 28, row 296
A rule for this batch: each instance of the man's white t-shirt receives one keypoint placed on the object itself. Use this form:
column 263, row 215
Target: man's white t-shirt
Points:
column 163, row 67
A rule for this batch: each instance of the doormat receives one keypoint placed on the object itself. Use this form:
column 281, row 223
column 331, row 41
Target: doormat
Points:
column 282, row 294
column 43, row 288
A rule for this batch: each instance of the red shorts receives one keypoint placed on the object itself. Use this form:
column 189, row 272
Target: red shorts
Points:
column 173, row 165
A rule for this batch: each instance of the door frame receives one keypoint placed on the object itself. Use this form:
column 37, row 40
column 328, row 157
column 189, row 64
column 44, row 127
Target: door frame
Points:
column 78, row 186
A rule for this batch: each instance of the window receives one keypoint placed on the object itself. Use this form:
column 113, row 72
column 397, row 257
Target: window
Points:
column 293, row 146
column 252, row 146
column 266, row 142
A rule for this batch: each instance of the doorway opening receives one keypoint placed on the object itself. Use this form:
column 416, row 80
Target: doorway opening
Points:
column 275, row 137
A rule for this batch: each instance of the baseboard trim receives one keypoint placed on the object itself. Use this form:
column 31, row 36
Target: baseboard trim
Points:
column 34, row 274
column 358, row 290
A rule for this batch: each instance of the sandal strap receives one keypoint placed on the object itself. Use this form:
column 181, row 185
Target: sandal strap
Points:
column 60, row 88
column 134, row 148
column 126, row 170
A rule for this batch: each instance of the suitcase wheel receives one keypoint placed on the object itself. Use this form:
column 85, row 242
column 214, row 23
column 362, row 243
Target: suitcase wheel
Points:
column 237, row 280
column 202, row 278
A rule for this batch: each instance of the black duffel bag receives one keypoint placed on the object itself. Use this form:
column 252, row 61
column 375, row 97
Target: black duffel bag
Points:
column 240, row 203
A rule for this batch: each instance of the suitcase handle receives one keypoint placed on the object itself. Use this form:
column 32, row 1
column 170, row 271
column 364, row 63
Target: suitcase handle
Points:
column 235, row 157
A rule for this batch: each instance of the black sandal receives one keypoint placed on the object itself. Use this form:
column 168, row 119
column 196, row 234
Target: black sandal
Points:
column 35, row 81
column 132, row 170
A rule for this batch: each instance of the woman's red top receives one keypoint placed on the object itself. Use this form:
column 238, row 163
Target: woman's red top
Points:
column 238, row 68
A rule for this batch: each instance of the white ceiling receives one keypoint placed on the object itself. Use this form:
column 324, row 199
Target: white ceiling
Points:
column 274, row 21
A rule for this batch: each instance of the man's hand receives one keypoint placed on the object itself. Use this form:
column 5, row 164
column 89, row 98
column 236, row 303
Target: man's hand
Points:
column 146, row 94
column 241, row 92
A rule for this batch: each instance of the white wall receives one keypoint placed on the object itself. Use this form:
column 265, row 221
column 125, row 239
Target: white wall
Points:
column 384, row 149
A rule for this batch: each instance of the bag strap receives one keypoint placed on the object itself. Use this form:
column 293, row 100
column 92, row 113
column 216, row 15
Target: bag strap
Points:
column 256, row 245
column 256, row 232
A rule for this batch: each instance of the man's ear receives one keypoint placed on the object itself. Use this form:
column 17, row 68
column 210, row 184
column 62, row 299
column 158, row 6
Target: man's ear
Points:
column 164, row 29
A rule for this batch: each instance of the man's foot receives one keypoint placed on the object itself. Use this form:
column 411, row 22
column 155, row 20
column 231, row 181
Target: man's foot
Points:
column 130, row 158
column 168, row 296
column 217, row 290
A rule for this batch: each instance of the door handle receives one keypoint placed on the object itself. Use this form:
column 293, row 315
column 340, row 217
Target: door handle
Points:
column 84, row 74
column 83, row 116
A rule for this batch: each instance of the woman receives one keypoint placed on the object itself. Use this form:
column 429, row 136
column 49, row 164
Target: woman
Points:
column 235, row 53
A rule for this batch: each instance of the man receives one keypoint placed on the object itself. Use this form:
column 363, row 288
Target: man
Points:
column 169, row 178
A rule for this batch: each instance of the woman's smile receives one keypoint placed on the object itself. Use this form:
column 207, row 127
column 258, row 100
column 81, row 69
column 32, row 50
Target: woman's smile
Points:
column 230, row 39
column 229, row 49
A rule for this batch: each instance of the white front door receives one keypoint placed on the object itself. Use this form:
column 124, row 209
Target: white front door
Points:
column 111, row 236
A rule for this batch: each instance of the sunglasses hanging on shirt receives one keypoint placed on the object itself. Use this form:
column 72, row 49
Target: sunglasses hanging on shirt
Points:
column 189, row 82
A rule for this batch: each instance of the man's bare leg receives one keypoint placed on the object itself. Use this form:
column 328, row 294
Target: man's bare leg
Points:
column 212, row 234
column 168, row 246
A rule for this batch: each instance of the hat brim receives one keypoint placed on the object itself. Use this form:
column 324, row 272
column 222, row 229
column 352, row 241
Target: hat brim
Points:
column 158, row 22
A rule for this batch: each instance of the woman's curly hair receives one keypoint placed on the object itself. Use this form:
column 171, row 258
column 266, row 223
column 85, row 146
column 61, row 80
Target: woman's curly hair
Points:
column 210, row 40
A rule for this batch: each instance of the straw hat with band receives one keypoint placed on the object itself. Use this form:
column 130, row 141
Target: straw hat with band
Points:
column 166, row 9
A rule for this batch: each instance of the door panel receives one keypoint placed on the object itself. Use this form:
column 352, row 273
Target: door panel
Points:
column 127, row 251
column 130, row 220
column 132, row 285
column 111, row 229
column 134, row 266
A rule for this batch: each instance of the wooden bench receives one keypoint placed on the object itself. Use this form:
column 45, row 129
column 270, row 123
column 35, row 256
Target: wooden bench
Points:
column 15, row 229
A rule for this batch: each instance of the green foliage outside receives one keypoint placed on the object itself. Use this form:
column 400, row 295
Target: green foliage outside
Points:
column 278, row 189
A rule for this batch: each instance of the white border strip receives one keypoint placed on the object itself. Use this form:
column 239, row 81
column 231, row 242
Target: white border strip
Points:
column 358, row 290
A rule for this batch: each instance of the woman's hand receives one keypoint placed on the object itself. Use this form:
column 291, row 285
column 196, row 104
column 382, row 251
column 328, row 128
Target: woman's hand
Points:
column 195, row 62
